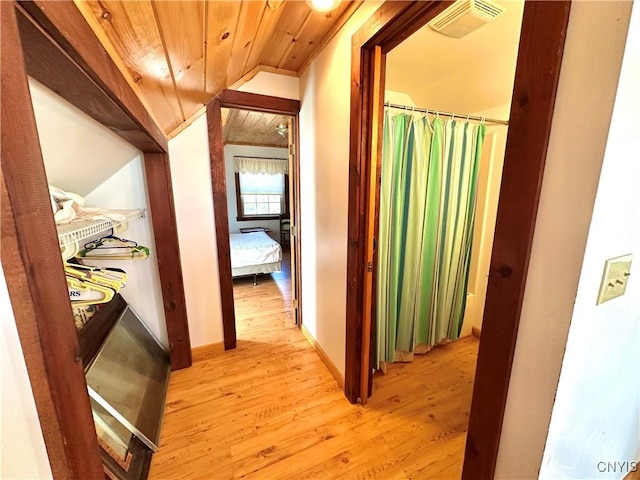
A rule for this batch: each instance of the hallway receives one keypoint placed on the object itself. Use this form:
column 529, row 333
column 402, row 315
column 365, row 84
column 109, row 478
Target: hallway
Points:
column 270, row 409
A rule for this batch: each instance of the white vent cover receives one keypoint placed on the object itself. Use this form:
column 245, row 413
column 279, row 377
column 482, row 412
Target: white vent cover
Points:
column 465, row 16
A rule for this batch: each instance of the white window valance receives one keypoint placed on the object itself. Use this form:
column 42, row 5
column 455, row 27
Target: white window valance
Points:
column 269, row 166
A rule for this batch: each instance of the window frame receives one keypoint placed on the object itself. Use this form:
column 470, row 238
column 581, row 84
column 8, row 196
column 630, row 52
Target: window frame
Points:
column 240, row 217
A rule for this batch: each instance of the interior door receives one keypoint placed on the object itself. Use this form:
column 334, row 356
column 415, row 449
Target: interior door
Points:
column 375, row 152
column 293, row 236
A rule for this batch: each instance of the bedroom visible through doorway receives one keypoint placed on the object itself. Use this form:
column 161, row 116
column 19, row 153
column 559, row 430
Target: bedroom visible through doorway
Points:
column 259, row 177
column 255, row 188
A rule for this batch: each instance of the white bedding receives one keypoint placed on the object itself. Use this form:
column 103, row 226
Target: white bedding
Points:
column 253, row 249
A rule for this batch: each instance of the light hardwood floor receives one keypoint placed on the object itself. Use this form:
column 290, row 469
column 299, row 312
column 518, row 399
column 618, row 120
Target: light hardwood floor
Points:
column 270, row 409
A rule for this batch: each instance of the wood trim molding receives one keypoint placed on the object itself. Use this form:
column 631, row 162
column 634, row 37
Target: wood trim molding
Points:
column 98, row 88
column 35, row 277
column 165, row 230
column 476, row 332
column 323, row 356
column 539, row 60
column 184, row 125
column 221, row 220
column 246, row 101
column 544, row 28
column 262, row 103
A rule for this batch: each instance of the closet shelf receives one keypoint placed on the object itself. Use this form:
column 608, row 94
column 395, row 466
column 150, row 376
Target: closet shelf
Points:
column 80, row 230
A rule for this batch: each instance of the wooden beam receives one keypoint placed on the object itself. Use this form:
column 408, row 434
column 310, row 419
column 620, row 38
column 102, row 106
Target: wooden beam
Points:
column 262, row 103
column 77, row 63
column 544, row 28
column 219, row 192
column 165, row 231
column 35, row 277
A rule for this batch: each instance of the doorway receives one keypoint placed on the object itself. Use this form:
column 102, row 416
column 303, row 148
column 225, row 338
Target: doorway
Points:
column 537, row 72
column 282, row 226
column 259, row 172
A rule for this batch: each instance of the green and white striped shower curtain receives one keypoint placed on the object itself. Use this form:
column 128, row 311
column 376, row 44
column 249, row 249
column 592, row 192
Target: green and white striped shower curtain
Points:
column 427, row 209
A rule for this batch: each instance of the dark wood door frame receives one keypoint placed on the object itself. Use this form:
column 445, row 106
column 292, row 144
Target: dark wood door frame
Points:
column 536, row 80
column 259, row 103
column 52, row 42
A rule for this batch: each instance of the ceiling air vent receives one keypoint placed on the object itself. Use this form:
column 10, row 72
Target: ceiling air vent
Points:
column 465, row 16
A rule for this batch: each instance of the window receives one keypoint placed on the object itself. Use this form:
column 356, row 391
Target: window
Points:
column 262, row 188
column 261, row 194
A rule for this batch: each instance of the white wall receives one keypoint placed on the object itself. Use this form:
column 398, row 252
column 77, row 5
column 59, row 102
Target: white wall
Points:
column 489, row 180
column 82, row 156
column 22, row 450
column 324, row 174
column 127, row 189
column 273, row 84
column 596, row 415
column 191, row 175
column 79, row 153
column 462, row 75
column 588, row 80
column 232, row 208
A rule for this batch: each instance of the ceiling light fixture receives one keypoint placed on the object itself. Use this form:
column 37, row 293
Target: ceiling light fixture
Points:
column 282, row 130
column 323, row 5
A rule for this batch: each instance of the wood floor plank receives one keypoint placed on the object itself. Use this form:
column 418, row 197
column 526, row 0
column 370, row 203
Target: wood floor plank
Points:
column 271, row 410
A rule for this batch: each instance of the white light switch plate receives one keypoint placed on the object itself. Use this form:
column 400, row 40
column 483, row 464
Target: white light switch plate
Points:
column 615, row 277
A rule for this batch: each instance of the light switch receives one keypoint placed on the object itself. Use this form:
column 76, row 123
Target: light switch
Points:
column 615, row 277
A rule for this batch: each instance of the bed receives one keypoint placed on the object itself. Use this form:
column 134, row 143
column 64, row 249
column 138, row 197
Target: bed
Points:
column 254, row 253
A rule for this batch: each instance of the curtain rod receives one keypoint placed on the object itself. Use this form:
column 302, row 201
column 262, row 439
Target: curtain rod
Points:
column 446, row 114
column 258, row 158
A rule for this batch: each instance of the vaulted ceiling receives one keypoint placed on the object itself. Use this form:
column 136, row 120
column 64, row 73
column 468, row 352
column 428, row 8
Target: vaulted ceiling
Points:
column 178, row 55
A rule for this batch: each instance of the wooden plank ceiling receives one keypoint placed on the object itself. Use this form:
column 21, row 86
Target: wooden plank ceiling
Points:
column 243, row 127
column 177, row 55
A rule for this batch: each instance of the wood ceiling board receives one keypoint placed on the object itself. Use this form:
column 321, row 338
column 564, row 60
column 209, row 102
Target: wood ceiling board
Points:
column 317, row 27
column 181, row 26
column 227, row 117
column 292, row 22
column 244, row 127
column 173, row 55
column 335, row 28
column 262, row 39
column 247, row 121
column 222, row 24
column 128, row 30
column 248, row 23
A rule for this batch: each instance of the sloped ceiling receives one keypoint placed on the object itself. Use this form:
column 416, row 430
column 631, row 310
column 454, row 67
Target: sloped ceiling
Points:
column 79, row 153
column 177, row 55
column 467, row 75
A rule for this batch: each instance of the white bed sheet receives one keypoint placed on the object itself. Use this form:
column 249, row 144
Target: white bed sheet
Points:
column 256, row 248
